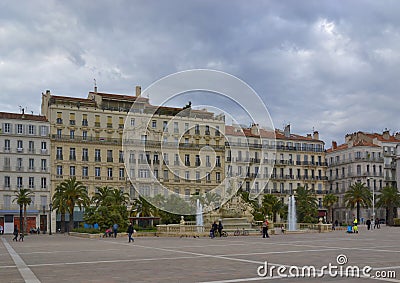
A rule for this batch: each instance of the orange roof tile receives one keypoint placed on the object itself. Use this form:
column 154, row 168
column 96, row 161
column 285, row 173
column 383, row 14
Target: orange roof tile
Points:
column 29, row 117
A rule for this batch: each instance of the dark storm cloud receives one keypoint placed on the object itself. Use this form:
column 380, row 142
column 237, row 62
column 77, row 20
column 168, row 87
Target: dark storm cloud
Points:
column 331, row 66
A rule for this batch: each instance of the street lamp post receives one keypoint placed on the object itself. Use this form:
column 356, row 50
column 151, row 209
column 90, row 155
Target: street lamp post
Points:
column 373, row 203
column 51, row 209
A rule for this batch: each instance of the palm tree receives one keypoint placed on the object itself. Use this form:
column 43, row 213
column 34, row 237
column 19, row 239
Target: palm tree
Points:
column 23, row 199
column 59, row 205
column 102, row 196
column 358, row 195
column 329, row 201
column 389, row 199
column 272, row 205
column 119, row 197
column 75, row 194
column 307, row 205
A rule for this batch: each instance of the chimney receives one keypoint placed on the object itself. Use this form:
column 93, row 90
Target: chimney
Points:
column 308, row 135
column 48, row 92
column 386, row 134
column 138, row 90
column 316, row 135
column 95, row 88
column 397, row 136
column 287, row 131
column 255, row 129
column 334, row 144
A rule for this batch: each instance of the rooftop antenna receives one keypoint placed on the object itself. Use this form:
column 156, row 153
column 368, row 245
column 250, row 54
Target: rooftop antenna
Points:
column 20, row 108
column 95, row 85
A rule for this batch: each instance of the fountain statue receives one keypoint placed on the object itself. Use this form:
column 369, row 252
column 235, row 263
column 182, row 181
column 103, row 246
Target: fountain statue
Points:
column 199, row 216
column 292, row 218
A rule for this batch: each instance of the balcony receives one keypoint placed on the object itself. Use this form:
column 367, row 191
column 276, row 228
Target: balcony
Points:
column 197, row 163
column 109, row 125
column 59, row 157
column 218, row 164
column 20, row 150
column 72, row 122
column 207, row 132
column 121, row 160
column 121, row 126
column 44, row 151
column 187, row 163
column 97, row 159
column 110, row 159
column 85, row 158
column 43, row 169
column 6, row 149
column 72, row 157
column 31, row 169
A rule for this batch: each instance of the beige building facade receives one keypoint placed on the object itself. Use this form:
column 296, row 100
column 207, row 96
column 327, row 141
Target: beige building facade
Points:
column 24, row 163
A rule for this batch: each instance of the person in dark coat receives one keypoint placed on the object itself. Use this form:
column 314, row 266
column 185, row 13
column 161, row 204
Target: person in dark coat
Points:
column 265, row 229
column 15, row 233
column 368, row 224
column 130, row 232
column 220, row 227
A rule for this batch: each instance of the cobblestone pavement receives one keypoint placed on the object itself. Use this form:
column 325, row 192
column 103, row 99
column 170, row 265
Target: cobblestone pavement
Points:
column 63, row 258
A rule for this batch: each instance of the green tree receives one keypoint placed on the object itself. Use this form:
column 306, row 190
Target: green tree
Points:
column 389, row 199
column 307, row 205
column 272, row 206
column 102, row 196
column 23, row 199
column 75, row 194
column 328, row 202
column 358, row 196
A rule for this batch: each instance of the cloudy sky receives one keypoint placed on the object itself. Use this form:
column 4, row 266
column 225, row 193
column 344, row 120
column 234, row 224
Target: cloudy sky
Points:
column 328, row 65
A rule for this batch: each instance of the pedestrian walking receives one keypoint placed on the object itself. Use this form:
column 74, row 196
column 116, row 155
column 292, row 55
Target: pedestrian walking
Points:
column 220, row 227
column 1, row 230
column 130, row 232
column 15, row 233
column 378, row 225
column 368, row 224
column 355, row 227
column 115, row 229
column 265, row 228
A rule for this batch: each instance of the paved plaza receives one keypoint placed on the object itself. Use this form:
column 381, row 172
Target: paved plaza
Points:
column 63, row 258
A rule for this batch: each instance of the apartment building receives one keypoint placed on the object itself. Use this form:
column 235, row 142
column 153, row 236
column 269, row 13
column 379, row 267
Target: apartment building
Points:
column 25, row 163
column 368, row 158
column 174, row 150
column 161, row 152
column 276, row 162
column 86, row 138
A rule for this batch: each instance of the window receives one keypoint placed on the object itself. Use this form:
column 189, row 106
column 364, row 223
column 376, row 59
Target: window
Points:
column 208, row 177
column 19, row 182
column 59, row 133
column 97, row 171
column 59, row 154
column 43, row 164
column 187, row 159
column 59, row 170
column 187, row 175
column 218, row 161
column 197, row 175
column 176, row 127
column 72, row 170
column 43, row 183
column 6, row 128
column 84, row 135
column 31, row 182
column 20, row 129
column 121, row 156
column 144, row 173
column 121, row 173
column 166, row 177
column 43, row 146
column 31, row 164
column 218, row 176
column 208, row 163
column 44, row 130
column 85, row 171
column 19, row 164
column 72, row 155
column 20, row 146
column 72, row 134
column 109, row 173
column 31, row 130
column 165, row 126
column 7, row 145
column 109, row 156
column 7, row 203
column 85, row 154
column 7, row 182
column 154, row 124
column 97, row 155
column 132, row 122
column 186, row 126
